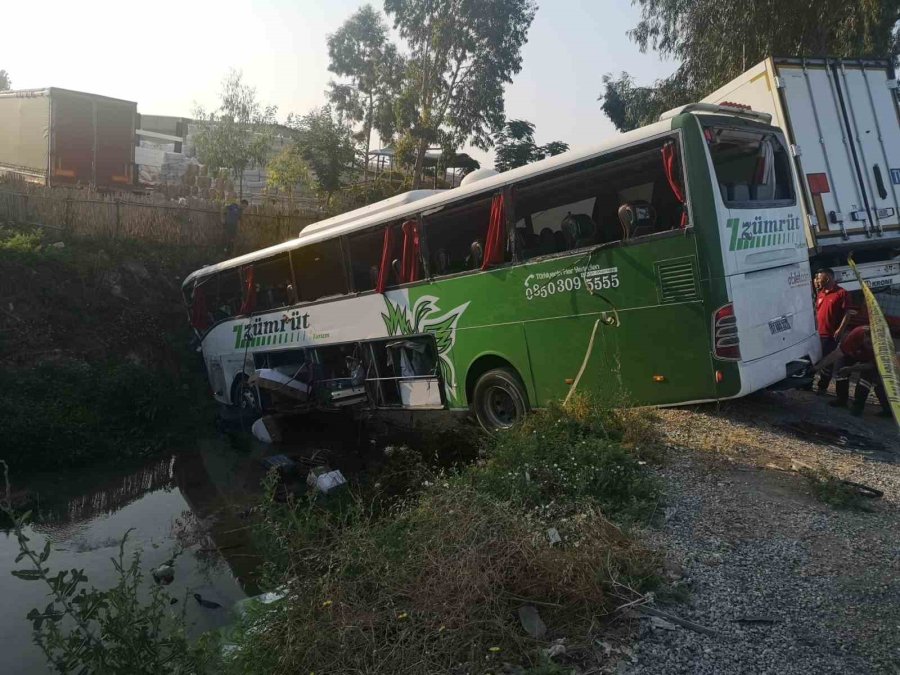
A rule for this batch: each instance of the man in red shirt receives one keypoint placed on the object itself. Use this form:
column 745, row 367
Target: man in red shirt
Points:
column 832, row 313
column 855, row 355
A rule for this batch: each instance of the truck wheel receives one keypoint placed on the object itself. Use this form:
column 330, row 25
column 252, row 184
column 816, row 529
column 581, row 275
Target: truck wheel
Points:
column 499, row 400
column 244, row 396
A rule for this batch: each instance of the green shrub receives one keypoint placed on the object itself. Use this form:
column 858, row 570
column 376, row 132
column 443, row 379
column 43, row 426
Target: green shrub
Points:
column 65, row 414
column 562, row 456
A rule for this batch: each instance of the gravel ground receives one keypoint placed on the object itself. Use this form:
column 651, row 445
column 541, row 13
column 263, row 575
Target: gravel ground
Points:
column 750, row 541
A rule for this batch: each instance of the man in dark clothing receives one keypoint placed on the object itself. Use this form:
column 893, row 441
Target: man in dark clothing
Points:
column 832, row 313
column 855, row 355
column 231, row 221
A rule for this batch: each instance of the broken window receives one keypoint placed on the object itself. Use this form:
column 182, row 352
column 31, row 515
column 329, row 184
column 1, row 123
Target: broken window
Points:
column 365, row 258
column 456, row 236
column 751, row 166
column 625, row 195
column 274, row 283
column 367, row 252
column 319, row 270
column 228, row 297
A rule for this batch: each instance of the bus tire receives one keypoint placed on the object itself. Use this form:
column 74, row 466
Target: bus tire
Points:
column 499, row 400
column 244, row 396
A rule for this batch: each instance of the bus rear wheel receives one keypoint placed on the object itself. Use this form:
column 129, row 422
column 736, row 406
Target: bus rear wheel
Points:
column 499, row 400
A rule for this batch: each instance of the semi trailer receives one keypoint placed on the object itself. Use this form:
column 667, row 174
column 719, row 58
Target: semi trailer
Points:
column 57, row 136
column 840, row 118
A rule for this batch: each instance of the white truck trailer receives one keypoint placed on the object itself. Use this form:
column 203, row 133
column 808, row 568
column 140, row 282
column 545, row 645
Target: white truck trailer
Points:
column 841, row 119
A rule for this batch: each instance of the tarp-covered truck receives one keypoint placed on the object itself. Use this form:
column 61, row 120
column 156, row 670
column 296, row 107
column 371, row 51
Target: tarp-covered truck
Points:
column 841, row 119
column 60, row 137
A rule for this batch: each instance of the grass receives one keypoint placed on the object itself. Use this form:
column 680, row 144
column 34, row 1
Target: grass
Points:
column 429, row 578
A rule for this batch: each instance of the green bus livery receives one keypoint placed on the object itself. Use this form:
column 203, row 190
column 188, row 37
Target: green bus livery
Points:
column 667, row 265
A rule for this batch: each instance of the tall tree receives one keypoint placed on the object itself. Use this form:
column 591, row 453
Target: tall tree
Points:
column 5, row 82
column 287, row 170
column 360, row 52
column 715, row 40
column 326, row 147
column 239, row 133
column 516, row 147
column 463, row 52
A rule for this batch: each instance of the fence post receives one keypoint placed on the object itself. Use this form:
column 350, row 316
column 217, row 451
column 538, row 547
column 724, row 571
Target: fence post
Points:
column 118, row 220
column 67, row 222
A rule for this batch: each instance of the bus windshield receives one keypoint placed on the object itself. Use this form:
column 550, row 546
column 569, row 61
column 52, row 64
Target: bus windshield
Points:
column 751, row 166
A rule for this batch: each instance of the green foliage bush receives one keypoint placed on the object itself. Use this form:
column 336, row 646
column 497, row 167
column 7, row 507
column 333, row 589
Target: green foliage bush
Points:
column 65, row 414
column 561, row 457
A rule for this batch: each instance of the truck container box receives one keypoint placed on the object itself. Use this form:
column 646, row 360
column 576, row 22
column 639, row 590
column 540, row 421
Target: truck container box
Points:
column 60, row 137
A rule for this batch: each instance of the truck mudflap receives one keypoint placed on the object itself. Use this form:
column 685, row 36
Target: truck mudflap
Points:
column 798, row 374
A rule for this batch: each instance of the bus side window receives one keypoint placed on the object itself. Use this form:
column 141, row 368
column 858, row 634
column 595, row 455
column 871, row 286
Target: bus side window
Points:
column 274, row 283
column 365, row 250
column 622, row 196
column 319, row 270
column 228, row 295
column 456, row 236
column 557, row 214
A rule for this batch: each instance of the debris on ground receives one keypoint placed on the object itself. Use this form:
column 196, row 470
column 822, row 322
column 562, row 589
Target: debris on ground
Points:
column 267, row 429
column 325, row 481
column 531, row 622
column 553, row 536
column 206, row 604
column 283, row 464
column 164, row 574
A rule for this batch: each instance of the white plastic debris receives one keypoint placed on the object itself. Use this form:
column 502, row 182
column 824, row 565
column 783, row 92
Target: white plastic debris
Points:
column 267, row 429
column 553, row 536
column 326, row 482
column 260, row 431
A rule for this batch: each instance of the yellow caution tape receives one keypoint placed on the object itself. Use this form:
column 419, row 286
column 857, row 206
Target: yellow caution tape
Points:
column 882, row 345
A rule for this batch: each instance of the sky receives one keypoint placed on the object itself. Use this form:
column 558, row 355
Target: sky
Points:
column 170, row 55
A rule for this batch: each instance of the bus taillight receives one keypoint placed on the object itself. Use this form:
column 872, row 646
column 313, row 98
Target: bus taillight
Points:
column 725, row 334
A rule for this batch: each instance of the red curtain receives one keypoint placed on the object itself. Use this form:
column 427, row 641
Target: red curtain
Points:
column 249, row 302
column 670, row 164
column 384, row 271
column 199, row 313
column 493, row 246
column 409, row 263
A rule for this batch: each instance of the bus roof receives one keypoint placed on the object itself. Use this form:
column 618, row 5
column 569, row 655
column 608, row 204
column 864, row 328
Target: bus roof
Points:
column 417, row 201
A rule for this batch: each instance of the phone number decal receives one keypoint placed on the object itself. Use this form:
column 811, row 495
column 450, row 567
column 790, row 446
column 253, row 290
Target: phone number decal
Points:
column 592, row 280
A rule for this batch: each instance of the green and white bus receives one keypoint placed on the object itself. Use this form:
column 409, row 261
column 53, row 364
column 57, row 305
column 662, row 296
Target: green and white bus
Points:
column 665, row 266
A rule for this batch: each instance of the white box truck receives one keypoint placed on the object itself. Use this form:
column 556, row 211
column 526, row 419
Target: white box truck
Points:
column 841, row 119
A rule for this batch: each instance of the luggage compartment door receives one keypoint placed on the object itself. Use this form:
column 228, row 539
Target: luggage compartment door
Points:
column 404, row 372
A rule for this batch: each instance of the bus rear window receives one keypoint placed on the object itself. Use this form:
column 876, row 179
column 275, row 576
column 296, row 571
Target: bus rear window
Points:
column 751, row 166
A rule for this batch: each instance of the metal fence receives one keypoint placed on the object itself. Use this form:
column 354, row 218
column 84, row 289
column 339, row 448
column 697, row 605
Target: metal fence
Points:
column 95, row 215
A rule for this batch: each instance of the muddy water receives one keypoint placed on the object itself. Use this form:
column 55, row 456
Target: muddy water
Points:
column 191, row 500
